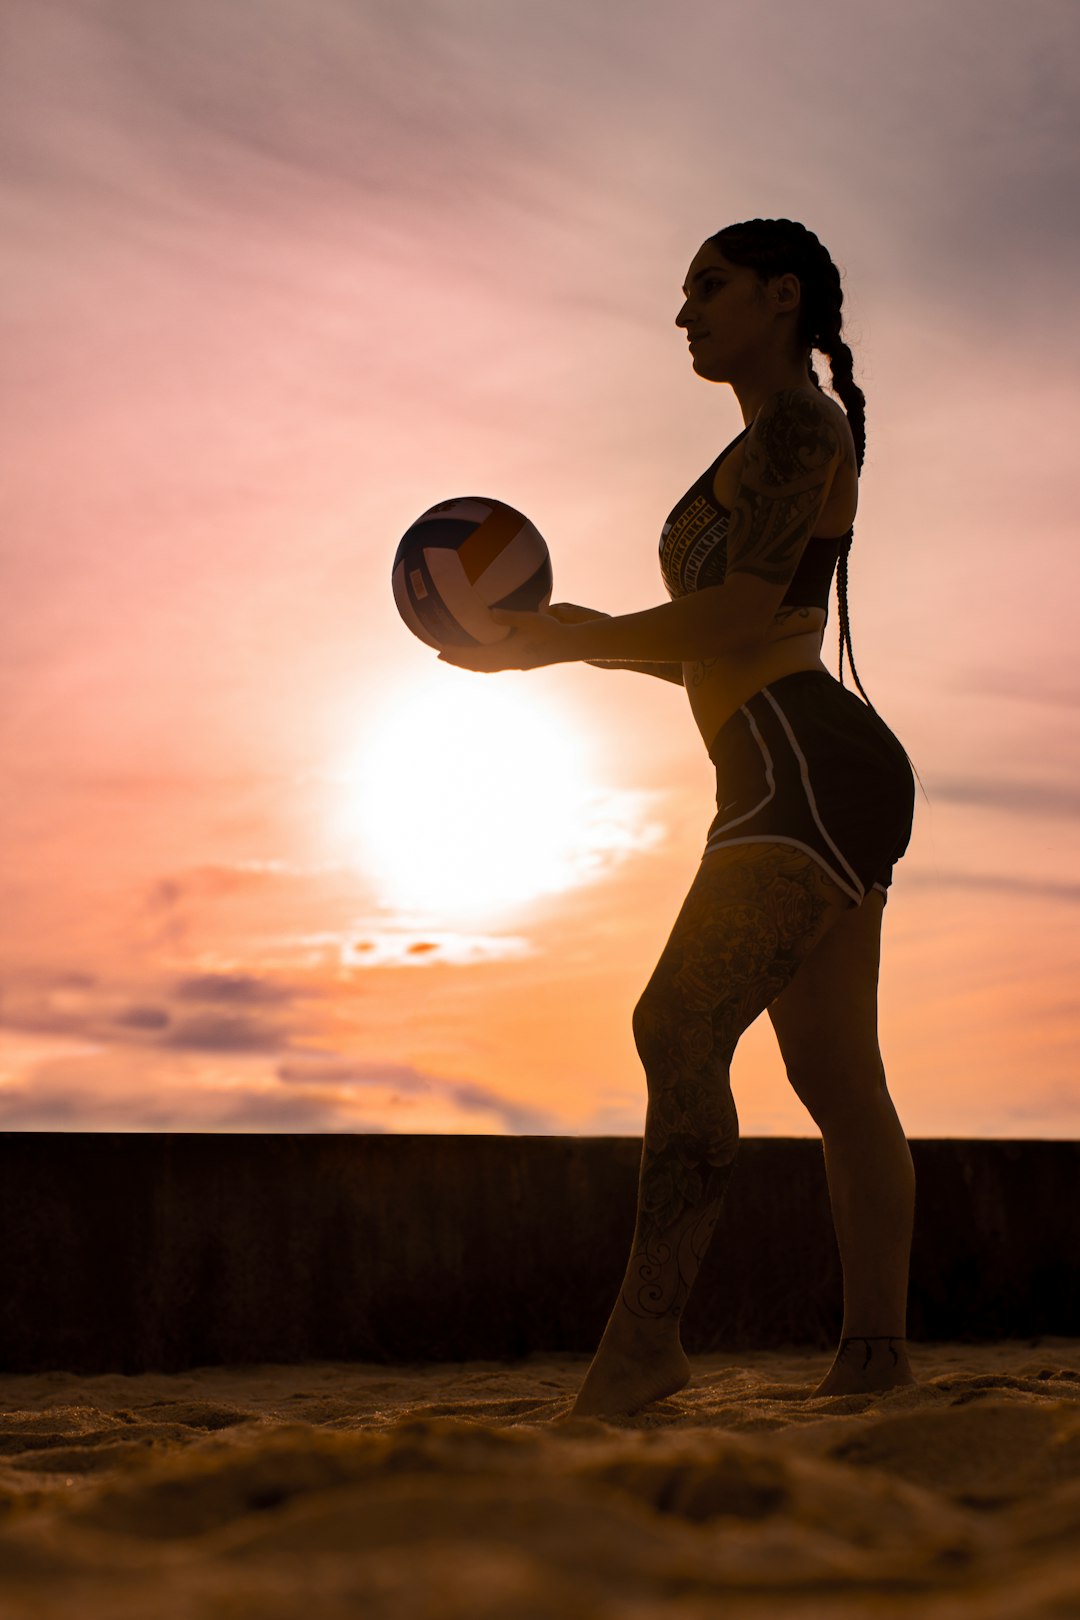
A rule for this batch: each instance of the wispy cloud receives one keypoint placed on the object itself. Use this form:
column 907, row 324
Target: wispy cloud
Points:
column 1033, row 798
column 1057, row 1108
column 411, row 948
column 456, row 110
column 1028, row 685
column 108, row 1091
column 87, row 1007
column 148, row 1018
column 995, row 882
column 341, row 1071
column 468, row 1096
column 225, row 1033
column 232, row 987
column 110, row 1037
column 83, row 1095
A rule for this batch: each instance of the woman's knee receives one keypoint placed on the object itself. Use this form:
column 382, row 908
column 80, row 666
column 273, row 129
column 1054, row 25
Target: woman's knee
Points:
column 676, row 1023
column 687, row 1071
column 836, row 1093
column 671, row 1038
column 649, row 1024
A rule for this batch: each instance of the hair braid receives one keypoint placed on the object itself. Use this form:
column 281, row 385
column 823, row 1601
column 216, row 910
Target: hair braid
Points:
column 841, row 365
column 771, row 246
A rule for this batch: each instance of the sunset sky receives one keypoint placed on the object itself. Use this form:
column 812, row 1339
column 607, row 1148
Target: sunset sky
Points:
column 278, row 276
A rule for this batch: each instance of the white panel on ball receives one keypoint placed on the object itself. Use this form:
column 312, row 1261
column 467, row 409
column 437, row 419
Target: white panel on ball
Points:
column 514, row 563
column 463, row 600
column 405, row 608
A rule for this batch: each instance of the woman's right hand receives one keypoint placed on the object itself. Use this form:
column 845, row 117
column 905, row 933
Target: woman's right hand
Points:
column 570, row 613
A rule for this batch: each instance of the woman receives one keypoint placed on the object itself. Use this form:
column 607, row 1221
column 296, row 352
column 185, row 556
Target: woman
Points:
column 815, row 800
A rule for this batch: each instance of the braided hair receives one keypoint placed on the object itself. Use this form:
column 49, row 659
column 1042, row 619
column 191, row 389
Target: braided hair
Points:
column 772, row 246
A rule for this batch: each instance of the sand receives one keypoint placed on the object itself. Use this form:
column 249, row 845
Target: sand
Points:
column 350, row 1489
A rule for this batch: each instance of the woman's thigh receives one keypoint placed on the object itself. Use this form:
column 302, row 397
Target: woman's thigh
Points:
column 752, row 916
column 826, row 1019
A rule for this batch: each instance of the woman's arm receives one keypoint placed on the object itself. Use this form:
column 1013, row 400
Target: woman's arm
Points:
column 709, row 623
column 571, row 613
column 792, row 452
column 666, row 672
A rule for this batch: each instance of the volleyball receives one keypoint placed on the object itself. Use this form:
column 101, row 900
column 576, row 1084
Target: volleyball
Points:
column 462, row 558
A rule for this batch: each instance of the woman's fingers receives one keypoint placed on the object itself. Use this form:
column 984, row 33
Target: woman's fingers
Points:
column 571, row 613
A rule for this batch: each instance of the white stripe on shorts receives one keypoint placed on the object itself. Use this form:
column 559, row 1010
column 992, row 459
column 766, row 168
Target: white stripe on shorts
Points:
column 804, row 771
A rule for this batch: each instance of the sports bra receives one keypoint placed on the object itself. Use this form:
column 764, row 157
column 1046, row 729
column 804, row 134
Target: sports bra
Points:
column 693, row 546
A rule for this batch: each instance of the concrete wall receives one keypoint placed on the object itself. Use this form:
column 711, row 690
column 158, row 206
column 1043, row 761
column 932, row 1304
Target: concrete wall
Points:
column 131, row 1252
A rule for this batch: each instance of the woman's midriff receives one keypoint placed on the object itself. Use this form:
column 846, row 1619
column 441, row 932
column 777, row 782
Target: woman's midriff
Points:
column 717, row 687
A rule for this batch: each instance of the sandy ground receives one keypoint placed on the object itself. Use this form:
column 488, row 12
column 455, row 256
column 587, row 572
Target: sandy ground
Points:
column 445, row 1493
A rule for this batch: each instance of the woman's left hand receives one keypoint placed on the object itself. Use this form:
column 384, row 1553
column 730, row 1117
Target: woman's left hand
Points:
column 535, row 639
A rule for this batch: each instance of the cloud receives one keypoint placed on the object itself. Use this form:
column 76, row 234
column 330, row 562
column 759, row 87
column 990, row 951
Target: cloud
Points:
column 225, row 1033
column 274, row 1111
column 232, row 987
column 518, row 1119
column 1019, row 686
column 210, row 881
column 85, row 1007
column 470, row 1097
column 617, row 1119
column 143, row 1018
column 37, row 1107
column 1035, row 798
column 955, row 127
column 1056, row 1105
column 172, row 902
column 995, row 882
column 109, row 1090
column 71, row 981
column 269, row 106
column 99, row 1094
column 405, row 948
column 349, row 1072
column 176, row 912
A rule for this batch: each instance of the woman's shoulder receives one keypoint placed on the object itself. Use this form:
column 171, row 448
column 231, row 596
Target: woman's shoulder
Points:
column 803, row 403
column 808, row 423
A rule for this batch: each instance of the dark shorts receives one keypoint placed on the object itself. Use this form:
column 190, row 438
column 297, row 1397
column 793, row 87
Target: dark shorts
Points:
column 806, row 762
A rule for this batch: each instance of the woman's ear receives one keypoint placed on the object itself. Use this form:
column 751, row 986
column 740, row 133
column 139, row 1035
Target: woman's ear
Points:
column 787, row 290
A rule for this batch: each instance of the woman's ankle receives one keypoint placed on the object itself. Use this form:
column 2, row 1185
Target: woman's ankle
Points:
column 879, row 1349
column 628, row 1327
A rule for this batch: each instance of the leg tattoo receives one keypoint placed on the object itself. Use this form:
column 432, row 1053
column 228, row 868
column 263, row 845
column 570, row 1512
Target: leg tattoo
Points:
column 752, row 915
column 891, row 1340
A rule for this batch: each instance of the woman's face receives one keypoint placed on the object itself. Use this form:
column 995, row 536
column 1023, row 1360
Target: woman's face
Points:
column 729, row 315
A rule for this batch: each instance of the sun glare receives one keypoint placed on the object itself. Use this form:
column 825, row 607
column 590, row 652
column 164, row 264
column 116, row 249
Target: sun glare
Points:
column 470, row 796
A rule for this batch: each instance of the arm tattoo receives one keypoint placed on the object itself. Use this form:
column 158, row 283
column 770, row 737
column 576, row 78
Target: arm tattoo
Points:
column 701, row 669
column 782, row 615
column 790, row 455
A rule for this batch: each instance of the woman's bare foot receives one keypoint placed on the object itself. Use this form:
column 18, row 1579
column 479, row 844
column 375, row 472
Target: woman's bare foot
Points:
column 865, row 1365
column 632, row 1367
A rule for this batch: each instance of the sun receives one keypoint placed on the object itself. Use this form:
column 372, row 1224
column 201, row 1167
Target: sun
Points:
column 469, row 795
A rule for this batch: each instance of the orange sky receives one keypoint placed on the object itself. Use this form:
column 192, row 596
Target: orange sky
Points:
column 273, row 291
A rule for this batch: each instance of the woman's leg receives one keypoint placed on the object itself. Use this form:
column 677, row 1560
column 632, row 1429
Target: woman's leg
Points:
column 826, row 1024
column 753, row 914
